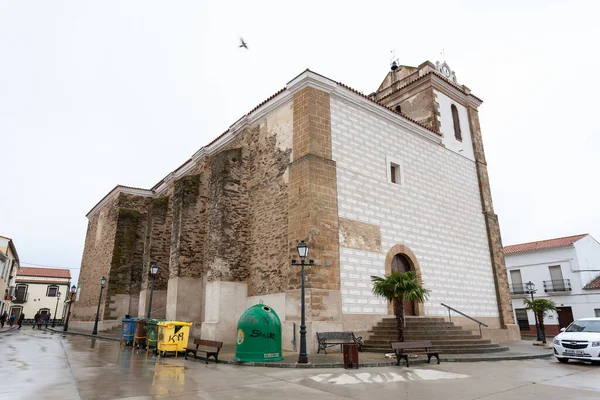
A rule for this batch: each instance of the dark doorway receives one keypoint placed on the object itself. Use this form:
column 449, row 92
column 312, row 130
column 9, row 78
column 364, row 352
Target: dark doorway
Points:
column 402, row 263
column 522, row 319
column 565, row 316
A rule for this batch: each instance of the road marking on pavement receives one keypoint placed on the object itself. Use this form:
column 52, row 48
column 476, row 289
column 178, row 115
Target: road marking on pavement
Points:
column 367, row 377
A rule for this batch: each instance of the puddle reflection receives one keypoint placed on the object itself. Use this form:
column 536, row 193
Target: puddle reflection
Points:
column 168, row 379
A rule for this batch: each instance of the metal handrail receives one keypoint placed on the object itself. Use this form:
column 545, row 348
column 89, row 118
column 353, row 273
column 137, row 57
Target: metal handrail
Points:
column 464, row 315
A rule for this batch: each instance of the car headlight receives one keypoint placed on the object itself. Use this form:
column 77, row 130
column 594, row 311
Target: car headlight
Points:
column 595, row 344
column 557, row 342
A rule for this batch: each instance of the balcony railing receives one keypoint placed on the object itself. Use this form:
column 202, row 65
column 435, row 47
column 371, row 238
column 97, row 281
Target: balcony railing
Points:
column 19, row 299
column 560, row 285
column 518, row 289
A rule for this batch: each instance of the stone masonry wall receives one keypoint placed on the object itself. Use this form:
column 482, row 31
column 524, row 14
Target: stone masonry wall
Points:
column 157, row 246
column 97, row 256
column 188, row 234
column 493, row 227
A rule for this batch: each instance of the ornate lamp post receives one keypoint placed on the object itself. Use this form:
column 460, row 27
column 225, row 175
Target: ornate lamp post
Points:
column 153, row 272
column 55, row 309
column 71, row 299
column 531, row 289
column 102, row 285
column 302, row 253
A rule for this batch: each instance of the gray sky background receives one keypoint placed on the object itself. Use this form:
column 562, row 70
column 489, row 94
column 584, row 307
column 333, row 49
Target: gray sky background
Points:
column 95, row 93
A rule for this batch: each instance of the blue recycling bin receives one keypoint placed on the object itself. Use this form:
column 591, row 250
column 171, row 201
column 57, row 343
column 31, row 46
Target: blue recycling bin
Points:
column 127, row 331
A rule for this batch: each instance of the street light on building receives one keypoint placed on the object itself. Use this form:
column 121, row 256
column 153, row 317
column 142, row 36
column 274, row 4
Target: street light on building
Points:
column 71, row 299
column 102, row 285
column 55, row 309
column 153, row 272
column 302, row 253
column 531, row 289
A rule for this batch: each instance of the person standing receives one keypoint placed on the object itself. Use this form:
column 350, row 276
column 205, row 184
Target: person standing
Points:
column 21, row 318
column 12, row 319
column 47, row 320
column 3, row 318
column 36, row 320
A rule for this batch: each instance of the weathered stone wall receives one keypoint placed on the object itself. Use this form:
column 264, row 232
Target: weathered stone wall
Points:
column 97, row 257
column 493, row 227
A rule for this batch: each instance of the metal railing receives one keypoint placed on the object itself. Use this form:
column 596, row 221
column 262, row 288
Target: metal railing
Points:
column 518, row 288
column 557, row 285
column 21, row 299
column 464, row 315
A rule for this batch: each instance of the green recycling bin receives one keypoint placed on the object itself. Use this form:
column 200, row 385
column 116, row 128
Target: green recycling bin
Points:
column 259, row 335
column 152, row 333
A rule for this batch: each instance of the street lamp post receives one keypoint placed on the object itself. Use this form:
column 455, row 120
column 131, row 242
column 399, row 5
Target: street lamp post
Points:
column 102, row 284
column 531, row 289
column 153, row 272
column 71, row 299
column 55, row 309
column 302, row 253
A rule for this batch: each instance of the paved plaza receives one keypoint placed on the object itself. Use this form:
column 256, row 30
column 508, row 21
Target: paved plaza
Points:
column 45, row 365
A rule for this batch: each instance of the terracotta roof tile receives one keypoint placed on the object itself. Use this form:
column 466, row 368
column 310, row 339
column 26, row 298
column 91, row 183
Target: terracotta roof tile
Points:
column 45, row 272
column 543, row 244
column 594, row 283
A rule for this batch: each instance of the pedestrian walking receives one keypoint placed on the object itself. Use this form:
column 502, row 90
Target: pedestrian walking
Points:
column 21, row 318
column 11, row 321
column 47, row 320
column 3, row 318
column 36, row 320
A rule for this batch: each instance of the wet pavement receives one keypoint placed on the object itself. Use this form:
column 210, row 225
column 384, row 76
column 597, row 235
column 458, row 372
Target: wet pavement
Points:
column 45, row 365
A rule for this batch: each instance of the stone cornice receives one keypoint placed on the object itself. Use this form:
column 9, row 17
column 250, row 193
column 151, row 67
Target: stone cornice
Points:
column 116, row 191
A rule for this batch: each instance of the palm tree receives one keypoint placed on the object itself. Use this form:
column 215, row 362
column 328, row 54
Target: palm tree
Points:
column 539, row 307
column 397, row 287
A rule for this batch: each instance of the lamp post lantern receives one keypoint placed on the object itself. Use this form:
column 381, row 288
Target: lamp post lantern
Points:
column 55, row 309
column 153, row 272
column 72, row 292
column 302, row 253
column 102, row 285
column 531, row 289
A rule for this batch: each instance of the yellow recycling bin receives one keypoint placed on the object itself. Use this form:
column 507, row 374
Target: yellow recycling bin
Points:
column 173, row 336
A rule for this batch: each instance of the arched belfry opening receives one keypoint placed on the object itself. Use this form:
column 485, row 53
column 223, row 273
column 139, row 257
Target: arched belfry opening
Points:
column 401, row 258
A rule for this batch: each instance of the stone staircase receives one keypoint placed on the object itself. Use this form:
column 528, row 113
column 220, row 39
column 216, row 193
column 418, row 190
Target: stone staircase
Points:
column 445, row 337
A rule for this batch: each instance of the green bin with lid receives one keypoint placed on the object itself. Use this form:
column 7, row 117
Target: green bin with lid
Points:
column 152, row 333
column 258, row 335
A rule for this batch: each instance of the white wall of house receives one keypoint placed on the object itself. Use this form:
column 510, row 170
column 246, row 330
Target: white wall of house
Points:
column 576, row 262
column 436, row 212
column 38, row 299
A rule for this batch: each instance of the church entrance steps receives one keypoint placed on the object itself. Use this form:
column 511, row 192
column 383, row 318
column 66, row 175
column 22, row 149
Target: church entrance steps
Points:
column 445, row 336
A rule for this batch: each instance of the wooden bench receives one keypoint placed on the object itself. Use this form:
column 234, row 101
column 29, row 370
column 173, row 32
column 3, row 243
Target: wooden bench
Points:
column 404, row 349
column 209, row 347
column 329, row 339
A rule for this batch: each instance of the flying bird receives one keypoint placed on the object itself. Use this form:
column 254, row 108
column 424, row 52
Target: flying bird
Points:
column 243, row 44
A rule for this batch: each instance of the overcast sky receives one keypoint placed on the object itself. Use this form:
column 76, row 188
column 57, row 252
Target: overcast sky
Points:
column 99, row 93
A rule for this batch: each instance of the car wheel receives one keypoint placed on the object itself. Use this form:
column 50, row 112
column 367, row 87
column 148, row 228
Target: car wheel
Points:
column 562, row 360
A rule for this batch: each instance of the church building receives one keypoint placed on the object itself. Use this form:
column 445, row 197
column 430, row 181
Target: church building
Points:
column 396, row 180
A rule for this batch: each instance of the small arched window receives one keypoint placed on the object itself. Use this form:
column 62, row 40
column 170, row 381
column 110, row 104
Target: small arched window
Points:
column 398, row 109
column 456, row 121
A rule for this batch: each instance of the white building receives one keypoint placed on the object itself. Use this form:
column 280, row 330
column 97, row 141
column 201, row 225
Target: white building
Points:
column 9, row 265
column 565, row 270
column 37, row 289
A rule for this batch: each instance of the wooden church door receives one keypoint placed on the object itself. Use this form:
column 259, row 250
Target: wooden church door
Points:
column 401, row 263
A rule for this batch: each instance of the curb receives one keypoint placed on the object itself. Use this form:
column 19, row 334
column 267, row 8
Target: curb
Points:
column 387, row 363
column 12, row 328
column 84, row 334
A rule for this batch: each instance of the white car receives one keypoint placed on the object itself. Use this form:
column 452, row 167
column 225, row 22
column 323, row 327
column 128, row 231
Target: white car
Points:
column 580, row 341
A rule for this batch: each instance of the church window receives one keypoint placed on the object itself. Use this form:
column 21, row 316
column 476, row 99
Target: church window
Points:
column 395, row 173
column 457, row 133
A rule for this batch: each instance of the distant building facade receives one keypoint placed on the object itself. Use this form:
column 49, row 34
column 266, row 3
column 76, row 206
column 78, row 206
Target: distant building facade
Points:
column 565, row 270
column 392, row 181
column 9, row 266
column 37, row 290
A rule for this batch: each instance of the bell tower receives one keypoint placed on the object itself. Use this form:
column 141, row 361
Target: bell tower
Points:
column 431, row 96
